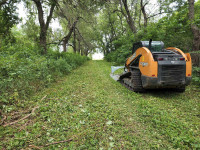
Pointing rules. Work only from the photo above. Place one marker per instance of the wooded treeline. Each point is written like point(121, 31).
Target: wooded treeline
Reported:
point(108, 25)
point(77, 19)
point(176, 23)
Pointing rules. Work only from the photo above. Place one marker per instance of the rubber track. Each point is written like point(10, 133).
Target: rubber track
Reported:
point(127, 86)
point(136, 82)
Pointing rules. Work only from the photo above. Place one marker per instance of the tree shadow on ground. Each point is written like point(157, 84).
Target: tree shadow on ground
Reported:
point(163, 93)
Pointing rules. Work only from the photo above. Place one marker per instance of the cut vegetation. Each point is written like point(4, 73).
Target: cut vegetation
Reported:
point(88, 110)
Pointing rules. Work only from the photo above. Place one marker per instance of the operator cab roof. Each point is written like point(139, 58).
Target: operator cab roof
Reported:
point(156, 46)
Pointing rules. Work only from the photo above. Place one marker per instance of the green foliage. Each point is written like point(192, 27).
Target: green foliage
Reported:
point(31, 29)
point(173, 29)
point(123, 48)
point(196, 75)
point(8, 18)
point(23, 70)
point(197, 13)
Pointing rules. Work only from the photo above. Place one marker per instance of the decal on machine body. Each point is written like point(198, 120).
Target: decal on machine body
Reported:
point(144, 64)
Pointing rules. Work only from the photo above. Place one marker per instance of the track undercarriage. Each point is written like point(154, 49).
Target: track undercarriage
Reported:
point(132, 80)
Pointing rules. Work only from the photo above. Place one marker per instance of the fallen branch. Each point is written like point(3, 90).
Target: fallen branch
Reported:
point(39, 147)
point(17, 113)
point(69, 140)
point(33, 110)
point(35, 147)
point(43, 97)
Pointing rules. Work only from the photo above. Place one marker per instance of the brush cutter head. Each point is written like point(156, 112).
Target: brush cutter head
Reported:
point(113, 69)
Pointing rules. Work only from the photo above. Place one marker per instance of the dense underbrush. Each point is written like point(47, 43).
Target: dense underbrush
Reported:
point(23, 70)
point(123, 49)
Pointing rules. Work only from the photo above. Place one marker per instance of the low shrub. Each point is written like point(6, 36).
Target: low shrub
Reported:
point(118, 57)
point(23, 72)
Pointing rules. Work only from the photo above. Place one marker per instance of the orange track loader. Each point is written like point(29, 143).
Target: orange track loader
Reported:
point(152, 66)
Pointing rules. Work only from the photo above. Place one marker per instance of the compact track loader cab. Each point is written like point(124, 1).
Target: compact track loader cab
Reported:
point(152, 66)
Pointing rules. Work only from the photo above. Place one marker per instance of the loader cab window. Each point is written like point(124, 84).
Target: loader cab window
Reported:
point(156, 46)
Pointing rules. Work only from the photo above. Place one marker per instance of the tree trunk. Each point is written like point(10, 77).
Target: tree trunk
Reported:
point(104, 52)
point(144, 13)
point(196, 38)
point(111, 22)
point(64, 46)
point(68, 36)
point(194, 28)
point(43, 44)
point(43, 39)
point(44, 26)
point(140, 14)
point(86, 52)
point(79, 45)
point(129, 18)
point(66, 39)
point(82, 52)
point(74, 41)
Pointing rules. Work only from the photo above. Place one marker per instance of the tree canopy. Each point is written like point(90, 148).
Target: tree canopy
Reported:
point(109, 26)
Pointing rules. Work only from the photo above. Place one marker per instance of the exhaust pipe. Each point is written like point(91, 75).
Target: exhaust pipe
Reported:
point(150, 41)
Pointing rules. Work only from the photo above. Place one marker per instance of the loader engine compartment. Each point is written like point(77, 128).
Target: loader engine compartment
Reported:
point(163, 56)
point(171, 70)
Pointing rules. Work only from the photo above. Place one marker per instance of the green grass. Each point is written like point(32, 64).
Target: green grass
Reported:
point(93, 111)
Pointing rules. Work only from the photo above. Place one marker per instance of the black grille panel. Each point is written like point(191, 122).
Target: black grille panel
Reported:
point(172, 74)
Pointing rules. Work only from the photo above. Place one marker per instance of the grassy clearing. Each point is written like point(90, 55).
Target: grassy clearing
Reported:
point(89, 110)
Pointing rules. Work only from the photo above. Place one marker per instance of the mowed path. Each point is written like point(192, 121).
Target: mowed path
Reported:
point(89, 110)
